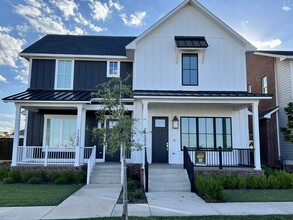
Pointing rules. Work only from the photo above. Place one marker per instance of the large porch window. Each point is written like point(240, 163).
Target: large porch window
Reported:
point(60, 131)
point(206, 132)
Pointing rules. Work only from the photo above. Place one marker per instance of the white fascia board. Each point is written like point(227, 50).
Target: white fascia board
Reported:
point(100, 99)
point(42, 55)
point(269, 115)
point(206, 12)
point(282, 57)
point(36, 103)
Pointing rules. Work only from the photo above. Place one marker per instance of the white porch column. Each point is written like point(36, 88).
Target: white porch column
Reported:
point(145, 128)
point(82, 136)
point(16, 134)
point(256, 144)
point(78, 132)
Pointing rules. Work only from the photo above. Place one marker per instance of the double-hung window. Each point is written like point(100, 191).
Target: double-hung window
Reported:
point(189, 69)
point(64, 74)
point(60, 131)
point(205, 132)
point(113, 69)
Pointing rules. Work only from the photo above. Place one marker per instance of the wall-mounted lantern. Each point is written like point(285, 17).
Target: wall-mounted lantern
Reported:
point(175, 122)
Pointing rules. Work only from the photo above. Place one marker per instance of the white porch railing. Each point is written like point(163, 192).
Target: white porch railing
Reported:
point(51, 155)
point(90, 164)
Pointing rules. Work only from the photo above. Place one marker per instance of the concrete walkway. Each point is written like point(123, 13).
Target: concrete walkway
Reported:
point(96, 200)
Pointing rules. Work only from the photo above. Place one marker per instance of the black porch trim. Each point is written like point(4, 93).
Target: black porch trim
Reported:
point(191, 42)
point(156, 93)
point(51, 95)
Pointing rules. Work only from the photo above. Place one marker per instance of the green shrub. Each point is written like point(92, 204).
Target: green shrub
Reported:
point(4, 171)
point(67, 174)
point(35, 180)
point(80, 177)
point(136, 194)
point(284, 178)
point(7, 180)
point(41, 174)
point(53, 176)
point(229, 181)
point(241, 182)
point(211, 187)
point(274, 182)
point(61, 180)
point(15, 176)
point(26, 176)
point(268, 171)
point(132, 185)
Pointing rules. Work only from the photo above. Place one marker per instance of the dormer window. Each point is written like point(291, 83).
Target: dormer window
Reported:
point(64, 74)
point(113, 69)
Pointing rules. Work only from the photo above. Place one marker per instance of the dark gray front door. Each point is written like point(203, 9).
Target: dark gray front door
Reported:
point(116, 156)
point(160, 140)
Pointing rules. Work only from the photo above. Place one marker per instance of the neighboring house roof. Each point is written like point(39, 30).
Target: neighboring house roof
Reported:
point(283, 55)
point(50, 95)
point(268, 113)
point(205, 12)
point(79, 45)
point(216, 94)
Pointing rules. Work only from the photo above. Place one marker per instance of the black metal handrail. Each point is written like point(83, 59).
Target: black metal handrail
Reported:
point(146, 171)
point(189, 166)
point(222, 157)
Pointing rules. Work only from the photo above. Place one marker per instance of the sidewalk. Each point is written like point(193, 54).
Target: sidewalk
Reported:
point(100, 201)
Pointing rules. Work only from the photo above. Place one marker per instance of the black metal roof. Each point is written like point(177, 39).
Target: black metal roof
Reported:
point(80, 45)
point(198, 93)
point(189, 41)
point(51, 95)
point(276, 52)
point(268, 111)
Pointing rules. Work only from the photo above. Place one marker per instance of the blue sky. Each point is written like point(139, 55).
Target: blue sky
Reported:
point(265, 23)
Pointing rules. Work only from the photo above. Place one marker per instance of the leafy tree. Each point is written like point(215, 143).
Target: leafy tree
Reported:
point(120, 136)
point(288, 131)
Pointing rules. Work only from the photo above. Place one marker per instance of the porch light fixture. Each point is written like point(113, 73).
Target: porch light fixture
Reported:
point(175, 122)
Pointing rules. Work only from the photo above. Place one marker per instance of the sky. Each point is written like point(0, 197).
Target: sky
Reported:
point(267, 24)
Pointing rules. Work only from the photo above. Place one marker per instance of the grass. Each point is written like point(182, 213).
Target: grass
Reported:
point(34, 195)
point(249, 217)
point(253, 195)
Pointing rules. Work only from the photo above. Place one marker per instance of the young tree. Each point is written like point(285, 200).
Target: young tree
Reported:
point(288, 131)
point(120, 135)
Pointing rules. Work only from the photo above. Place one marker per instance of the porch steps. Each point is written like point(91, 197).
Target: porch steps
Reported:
point(106, 173)
point(168, 178)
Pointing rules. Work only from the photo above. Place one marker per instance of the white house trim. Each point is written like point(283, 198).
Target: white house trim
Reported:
point(16, 134)
point(44, 55)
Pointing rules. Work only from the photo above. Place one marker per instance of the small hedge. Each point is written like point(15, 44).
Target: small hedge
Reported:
point(211, 187)
point(8, 176)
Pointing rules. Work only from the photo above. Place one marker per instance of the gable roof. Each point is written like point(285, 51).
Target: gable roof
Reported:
point(196, 4)
point(78, 45)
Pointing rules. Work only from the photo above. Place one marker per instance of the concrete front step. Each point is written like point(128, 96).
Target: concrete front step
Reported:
point(106, 173)
point(168, 178)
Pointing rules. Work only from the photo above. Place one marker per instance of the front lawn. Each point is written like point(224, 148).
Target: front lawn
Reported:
point(254, 195)
point(35, 194)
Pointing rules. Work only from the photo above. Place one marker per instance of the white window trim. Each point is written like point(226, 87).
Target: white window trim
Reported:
point(56, 72)
point(263, 87)
point(108, 69)
point(199, 61)
point(46, 117)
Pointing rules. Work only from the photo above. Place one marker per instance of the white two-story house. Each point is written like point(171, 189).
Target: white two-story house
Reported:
point(189, 85)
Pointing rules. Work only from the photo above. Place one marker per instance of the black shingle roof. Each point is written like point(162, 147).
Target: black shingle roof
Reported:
point(80, 45)
point(276, 52)
point(198, 93)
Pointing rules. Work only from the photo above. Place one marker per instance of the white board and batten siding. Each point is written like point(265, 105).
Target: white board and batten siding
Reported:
point(157, 63)
point(284, 81)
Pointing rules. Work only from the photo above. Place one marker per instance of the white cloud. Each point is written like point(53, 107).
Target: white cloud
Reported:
point(286, 8)
point(81, 20)
point(23, 72)
point(267, 44)
point(244, 24)
point(116, 5)
point(7, 115)
point(6, 126)
point(3, 79)
point(22, 29)
point(67, 7)
point(134, 20)
point(9, 47)
point(99, 11)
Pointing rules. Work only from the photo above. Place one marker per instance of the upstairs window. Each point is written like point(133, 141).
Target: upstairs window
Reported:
point(113, 69)
point(189, 69)
point(264, 85)
point(64, 74)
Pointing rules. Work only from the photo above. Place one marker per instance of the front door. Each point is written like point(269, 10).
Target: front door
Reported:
point(116, 156)
point(160, 140)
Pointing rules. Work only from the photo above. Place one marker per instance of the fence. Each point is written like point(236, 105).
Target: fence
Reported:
point(6, 145)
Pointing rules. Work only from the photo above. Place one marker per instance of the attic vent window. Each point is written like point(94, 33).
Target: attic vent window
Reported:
point(195, 42)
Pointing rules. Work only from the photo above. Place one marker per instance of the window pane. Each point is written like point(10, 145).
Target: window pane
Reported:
point(184, 140)
point(160, 123)
point(185, 62)
point(186, 77)
point(184, 125)
point(113, 68)
point(202, 141)
point(64, 74)
point(219, 125)
point(210, 141)
point(219, 138)
point(193, 77)
point(192, 140)
point(193, 62)
point(201, 125)
point(228, 126)
point(210, 125)
point(229, 141)
point(192, 125)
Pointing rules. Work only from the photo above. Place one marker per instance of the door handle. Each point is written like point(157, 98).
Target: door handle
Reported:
point(167, 146)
